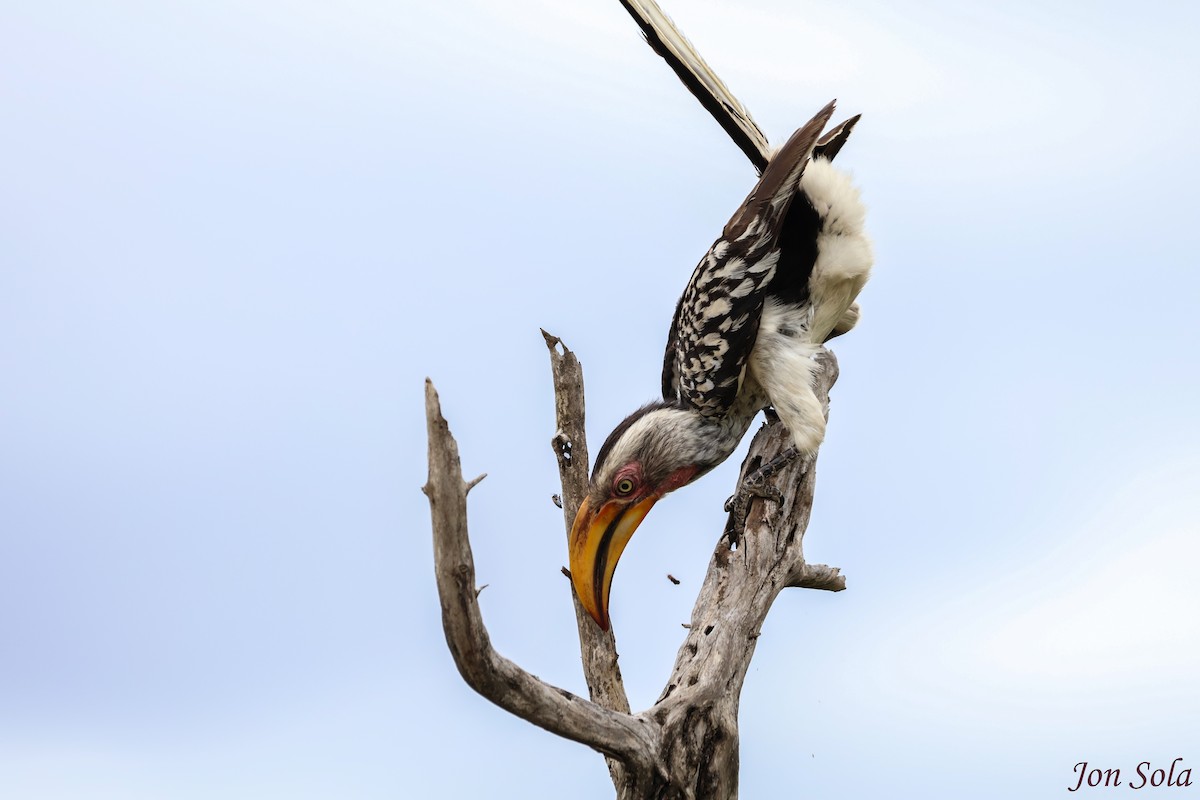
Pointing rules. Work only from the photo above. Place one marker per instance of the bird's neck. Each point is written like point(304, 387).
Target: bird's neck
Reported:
point(714, 439)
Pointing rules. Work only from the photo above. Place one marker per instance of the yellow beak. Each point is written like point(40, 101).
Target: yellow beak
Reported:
point(597, 540)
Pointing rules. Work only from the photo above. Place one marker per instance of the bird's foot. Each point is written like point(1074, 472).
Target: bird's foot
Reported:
point(738, 507)
point(740, 500)
point(755, 485)
point(760, 476)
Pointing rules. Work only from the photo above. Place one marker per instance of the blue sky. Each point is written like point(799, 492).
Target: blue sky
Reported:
point(236, 237)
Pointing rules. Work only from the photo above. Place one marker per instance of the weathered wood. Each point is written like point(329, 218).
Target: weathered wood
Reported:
point(698, 708)
point(686, 744)
point(598, 648)
point(507, 685)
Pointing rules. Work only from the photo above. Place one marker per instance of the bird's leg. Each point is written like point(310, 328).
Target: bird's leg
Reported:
point(738, 506)
point(755, 485)
point(751, 488)
point(756, 481)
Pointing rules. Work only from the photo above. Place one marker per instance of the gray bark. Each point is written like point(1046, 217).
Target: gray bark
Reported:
point(686, 744)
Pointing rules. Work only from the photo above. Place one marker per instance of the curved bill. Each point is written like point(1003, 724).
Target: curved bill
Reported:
point(598, 538)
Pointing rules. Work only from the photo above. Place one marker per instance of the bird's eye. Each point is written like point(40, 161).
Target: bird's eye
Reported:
point(624, 487)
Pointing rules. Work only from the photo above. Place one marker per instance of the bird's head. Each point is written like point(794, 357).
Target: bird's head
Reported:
point(655, 450)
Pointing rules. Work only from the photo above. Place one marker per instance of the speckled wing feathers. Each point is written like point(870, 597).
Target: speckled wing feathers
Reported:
point(716, 320)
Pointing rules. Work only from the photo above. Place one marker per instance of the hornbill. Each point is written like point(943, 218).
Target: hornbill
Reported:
point(781, 280)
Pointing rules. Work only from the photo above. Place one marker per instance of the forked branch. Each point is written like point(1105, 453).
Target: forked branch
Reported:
point(686, 744)
point(504, 683)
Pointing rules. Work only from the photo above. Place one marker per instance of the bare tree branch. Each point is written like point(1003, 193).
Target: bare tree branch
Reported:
point(818, 576)
point(686, 744)
point(698, 707)
point(613, 733)
point(598, 648)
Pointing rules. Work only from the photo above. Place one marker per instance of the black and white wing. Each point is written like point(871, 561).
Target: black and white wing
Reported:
point(715, 324)
point(716, 321)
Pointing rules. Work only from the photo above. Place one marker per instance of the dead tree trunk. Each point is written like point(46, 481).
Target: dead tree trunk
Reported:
point(686, 744)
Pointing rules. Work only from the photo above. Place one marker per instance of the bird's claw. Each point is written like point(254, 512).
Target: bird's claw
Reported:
point(760, 476)
point(755, 485)
point(750, 490)
point(738, 504)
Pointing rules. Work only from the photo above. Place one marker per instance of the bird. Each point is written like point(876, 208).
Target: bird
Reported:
point(782, 279)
